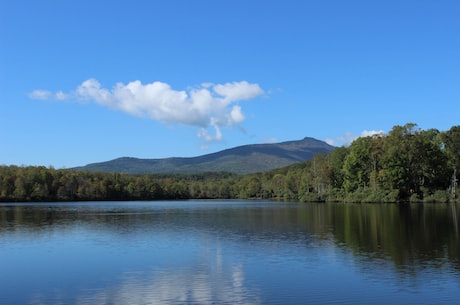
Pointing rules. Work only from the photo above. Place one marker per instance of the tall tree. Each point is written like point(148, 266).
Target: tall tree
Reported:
point(451, 142)
point(357, 165)
point(398, 159)
point(336, 159)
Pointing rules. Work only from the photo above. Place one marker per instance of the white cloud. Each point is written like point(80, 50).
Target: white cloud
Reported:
point(368, 133)
point(236, 114)
point(61, 96)
point(40, 94)
point(237, 91)
point(204, 134)
point(349, 137)
point(209, 106)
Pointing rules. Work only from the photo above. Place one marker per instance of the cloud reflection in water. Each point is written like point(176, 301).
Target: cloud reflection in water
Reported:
point(166, 287)
point(212, 281)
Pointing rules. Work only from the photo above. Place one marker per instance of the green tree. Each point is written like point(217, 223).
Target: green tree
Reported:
point(451, 143)
point(398, 160)
point(432, 163)
point(336, 160)
point(357, 165)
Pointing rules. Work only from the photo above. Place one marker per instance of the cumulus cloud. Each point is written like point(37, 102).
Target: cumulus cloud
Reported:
point(208, 106)
point(349, 137)
point(236, 115)
point(208, 137)
point(238, 91)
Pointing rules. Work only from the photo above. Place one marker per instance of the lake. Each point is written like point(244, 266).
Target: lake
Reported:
point(229, 252)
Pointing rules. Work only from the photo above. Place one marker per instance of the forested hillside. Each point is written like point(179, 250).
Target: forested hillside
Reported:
point(407, 164)
point(242, 160)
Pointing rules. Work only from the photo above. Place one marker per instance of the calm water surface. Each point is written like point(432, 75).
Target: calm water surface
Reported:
point(228, 252)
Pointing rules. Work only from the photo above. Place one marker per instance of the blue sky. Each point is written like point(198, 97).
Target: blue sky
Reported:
point(89, 81)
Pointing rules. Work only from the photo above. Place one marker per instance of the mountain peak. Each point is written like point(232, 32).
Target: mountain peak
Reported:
point(241, 159)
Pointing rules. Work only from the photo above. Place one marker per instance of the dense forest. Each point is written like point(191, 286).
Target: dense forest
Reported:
point(406, 165)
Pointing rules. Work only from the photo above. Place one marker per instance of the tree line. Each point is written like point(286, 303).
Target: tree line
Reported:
point(407, 164)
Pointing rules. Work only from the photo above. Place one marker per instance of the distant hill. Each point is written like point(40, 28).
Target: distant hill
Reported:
point(241, 160)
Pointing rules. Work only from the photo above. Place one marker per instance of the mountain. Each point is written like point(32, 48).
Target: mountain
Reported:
point(241, 160)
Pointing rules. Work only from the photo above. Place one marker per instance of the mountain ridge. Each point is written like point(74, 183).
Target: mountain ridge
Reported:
point(243, 159)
